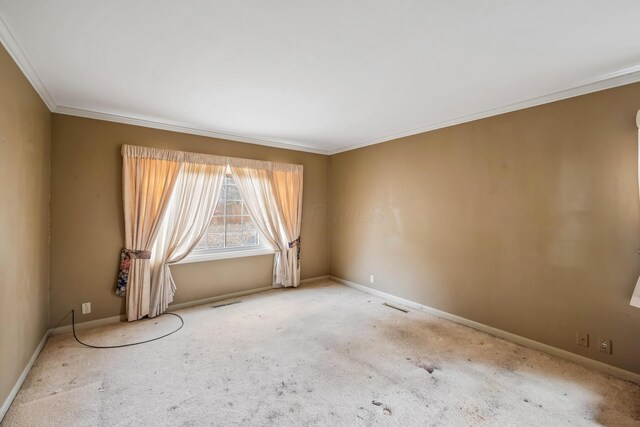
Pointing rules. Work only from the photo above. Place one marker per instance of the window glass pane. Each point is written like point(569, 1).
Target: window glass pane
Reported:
point(234, 208)
point(248, 223)
point(216, 225)
point(234, 223)
point(233, 193)
point(249, 238)
point(223, 192)
point(219, 208)
point(231, 226)
point(215, 240)
point(234, 239)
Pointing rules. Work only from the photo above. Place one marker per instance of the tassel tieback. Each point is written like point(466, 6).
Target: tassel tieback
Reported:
point(296, 243)
point(126, 255)
point(133, 253)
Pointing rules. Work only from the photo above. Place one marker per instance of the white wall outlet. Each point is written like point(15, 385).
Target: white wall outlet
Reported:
point(604, 345)
point(372, 278)
point(86, 308)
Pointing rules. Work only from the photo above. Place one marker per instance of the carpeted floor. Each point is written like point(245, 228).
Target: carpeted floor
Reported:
point(321, 354)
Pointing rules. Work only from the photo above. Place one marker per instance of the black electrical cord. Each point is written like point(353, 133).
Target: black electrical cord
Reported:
point(73, 327)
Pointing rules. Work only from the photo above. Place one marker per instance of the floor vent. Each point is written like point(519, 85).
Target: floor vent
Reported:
point(226, 304)
point(396, 307)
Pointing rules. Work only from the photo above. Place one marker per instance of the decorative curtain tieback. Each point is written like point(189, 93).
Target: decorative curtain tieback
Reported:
point(126, 255)
point(296, 243)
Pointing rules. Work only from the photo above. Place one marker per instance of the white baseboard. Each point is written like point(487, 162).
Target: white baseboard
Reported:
point(209, 300)
point(53, 331)
point(85, 325)
point(115, 319)
point(174, 307)
point(315, 279)
point(14, 391)
point(567, 355)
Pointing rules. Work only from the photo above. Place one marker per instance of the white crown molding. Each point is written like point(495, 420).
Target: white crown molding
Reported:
point(608, 81)
point(618, 78)
point(184, 128)
point(15, 51)
point(17, 54)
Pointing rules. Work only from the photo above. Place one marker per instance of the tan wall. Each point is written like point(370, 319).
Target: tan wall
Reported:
point(25, 140)
point(87, 219)
point(528, 222)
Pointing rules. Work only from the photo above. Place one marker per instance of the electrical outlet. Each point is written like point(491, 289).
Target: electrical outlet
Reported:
point(86, 308)
point(604, 345)
point(582, 339)
point(372, 278)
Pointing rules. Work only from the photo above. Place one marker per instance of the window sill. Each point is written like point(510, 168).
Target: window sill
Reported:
point(225, 255)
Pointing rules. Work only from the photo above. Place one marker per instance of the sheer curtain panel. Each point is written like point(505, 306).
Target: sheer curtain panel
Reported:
point(169, 200)
point(272, 193)
point(147, 185)
point(189, 214)
point(287, 184)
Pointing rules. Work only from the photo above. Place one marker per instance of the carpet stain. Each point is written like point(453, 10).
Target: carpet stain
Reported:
point(258, 362)
point(429, 367)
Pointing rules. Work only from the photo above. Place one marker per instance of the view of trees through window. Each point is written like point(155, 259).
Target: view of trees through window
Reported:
point(231, 226)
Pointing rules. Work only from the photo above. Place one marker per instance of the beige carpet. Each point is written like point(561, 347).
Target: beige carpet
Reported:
point(321, 354)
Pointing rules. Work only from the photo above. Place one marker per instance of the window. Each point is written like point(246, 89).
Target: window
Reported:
point(231, 232)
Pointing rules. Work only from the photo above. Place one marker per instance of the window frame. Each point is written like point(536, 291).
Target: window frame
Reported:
point(229, 252)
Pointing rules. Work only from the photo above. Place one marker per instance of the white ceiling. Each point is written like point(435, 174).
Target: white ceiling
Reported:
point(322, 76)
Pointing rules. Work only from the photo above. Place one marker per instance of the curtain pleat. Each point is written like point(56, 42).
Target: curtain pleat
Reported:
point(147, 188)
point(274, 201)
point(287, 186)
point(189, 214)
point(169, 198)
point(256, 189)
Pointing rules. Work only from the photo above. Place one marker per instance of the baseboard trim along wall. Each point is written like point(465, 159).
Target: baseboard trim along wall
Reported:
point(237, 294)
point(315, 279)
point(173, 307)
point(86, 325)
point(209, 300)
point(581, 360)
point(115, 319)
point(14, 391)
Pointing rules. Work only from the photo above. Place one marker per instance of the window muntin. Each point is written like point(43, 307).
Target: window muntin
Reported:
point(231, 227)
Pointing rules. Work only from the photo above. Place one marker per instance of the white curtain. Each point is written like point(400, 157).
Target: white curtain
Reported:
point(147, 185)
point(169, 199)
point(287, 184)
point(635, 298)
point(189, 214)
point(272, 194)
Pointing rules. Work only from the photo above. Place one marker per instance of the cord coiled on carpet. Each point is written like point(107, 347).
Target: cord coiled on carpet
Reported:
point(73, 327)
